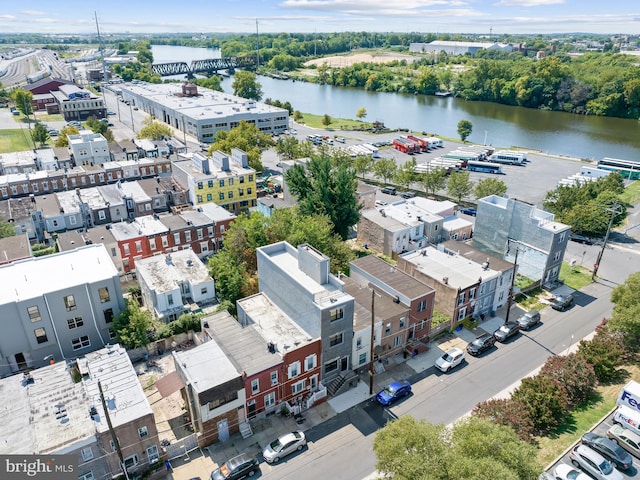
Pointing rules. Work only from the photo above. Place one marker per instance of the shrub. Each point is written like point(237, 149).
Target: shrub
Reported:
point(545, 399)
point(604, 352)
point(574, 373)
point(507, 412)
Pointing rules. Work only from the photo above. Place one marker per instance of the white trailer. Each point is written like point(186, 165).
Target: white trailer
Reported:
point(508, 157)
point(630, 396)
point(375, 152)
point(435, 142)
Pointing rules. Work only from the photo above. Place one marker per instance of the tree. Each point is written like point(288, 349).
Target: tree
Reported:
point(40, 134)
point(474, 448)
point(246, 85)
point(572, 372)
point(63, 138)
point(297, 116)
point(288, 147)
point(326, 120)
point(22, 99)
point(155, 130)
point(328, 190)
point(604, 352)
point(6, 229)
point(133, 327)
point(405, 175)
point(384, 168)
point(464, 129)
point(247, 138)
point(213, 82)
point(434, 180)
point(625, 320)
point(545, 399)
point(490, 186)
point(508, 412)
point(362, 164)
point(361, 113)
point(459, 185)
point(98, 126)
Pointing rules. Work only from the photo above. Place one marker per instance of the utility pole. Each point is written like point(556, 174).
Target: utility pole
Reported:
point(114, 437)
point(615, 209)
point(257, 46)
point(104, 64)
point(513, 282)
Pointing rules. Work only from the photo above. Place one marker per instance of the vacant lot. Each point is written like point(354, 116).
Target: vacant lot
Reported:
point(338, 61)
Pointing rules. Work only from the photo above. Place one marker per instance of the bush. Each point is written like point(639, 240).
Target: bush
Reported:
point(574, 373)
point(545, 399)
point(507, 412)
point(604, 351)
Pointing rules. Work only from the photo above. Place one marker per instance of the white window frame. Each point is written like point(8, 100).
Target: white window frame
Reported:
point(143, 432)
point(298, 387)
point(294, 369)
point(133, 458)
point(274, 378)
point(255, 386)
point(269, 400)
point(87, 454)
point(86, 476)
point(310, 362)
point(153, 454)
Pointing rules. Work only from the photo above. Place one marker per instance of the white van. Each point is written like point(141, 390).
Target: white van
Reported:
point(628, 418)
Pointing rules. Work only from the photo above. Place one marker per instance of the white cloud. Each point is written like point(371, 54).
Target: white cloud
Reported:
point(528, 3)
point(32, 12)
point(380, 7)
point(7, 17)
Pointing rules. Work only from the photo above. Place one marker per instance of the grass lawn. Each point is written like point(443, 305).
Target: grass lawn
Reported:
point(631, 194)
point(575, 277)
point(582, 419)
point(315, 121)
point(44, 117)
point(15, 140)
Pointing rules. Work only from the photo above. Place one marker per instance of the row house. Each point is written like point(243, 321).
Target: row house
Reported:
point(88, 148)
point(411, 293)
point(141, 238)
point(220, 179)
point(73, 239)
point(18, 162)
point(65, 178)
point(61, 319)
point(459, 282)
point(54, 413)
point(20, 213)
point(16, 247)
point(299, 281)
point(174, 283)
point(122, 150)
point(164, 191)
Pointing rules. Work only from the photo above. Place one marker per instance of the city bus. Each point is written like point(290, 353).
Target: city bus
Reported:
point(627, 168)
point(484, 167)
point(509, 157)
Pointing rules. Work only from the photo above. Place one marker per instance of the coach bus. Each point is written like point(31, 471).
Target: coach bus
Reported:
point(627, 168)
point(484, 167)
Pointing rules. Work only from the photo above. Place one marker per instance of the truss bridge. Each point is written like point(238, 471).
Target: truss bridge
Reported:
point(209, 66)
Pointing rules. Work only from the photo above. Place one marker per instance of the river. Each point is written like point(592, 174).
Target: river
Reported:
point(560, 133)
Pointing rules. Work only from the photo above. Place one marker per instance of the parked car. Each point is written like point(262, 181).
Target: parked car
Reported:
point(528, 320)
point(627, 439)
point(53, 132)
point(340, 139)
point(480, 344)
point(109, 112)
point(284, 445)
point(450, 359)
point(74, 123)
point(389, 190)
point(593, 463)
point(240, 466)
point(562, 302)
point(407, 194)
point(574, 237)
point(506, 331)
point(380, 203)
point(393, 392)
point(469, 211)
point(608, 449)
point(567, 472)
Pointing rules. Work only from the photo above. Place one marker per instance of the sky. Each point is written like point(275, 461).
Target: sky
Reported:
point(219, 16)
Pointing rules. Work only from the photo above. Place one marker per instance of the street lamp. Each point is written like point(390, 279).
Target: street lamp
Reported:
point(513, 281)
point(133, 127)
point(615, 209)
point(373, 322)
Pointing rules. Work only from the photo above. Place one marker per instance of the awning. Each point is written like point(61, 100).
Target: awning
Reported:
point(169, 384)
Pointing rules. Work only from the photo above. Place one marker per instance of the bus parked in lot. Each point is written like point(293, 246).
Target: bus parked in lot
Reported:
point(484, 167)
point(508, 157)
point(627, 168)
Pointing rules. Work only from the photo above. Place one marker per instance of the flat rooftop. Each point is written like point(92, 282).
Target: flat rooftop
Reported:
point(32, 277)
point(206, 366)
point(146, 226)
point(163, 273)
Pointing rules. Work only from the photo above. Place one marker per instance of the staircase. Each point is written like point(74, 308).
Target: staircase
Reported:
point(341, 384)
point(245, 430)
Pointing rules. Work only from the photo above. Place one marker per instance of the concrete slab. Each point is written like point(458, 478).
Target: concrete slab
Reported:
point(348, 399)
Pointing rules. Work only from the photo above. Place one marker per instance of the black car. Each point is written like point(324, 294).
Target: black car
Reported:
point(469, 211)
point(562, 302)
point(506, 331)
point(239, 466)
point(528, 320)
point(407, 194)
point(389, 190)
point(608, 449)
point(480, 344)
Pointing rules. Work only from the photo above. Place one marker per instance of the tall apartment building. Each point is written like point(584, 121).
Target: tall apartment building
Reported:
point(299, 282)
point(57, 307)
point(220, 179)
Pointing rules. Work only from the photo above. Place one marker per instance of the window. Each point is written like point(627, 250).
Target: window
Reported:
point(131, 461)
point(255, 386)
point(87, 454)
point(104, 294)
point(298, 387)
point(362, 359)
point(460, 298)
point(231, 182)
point(251, 178)
point(203, 291)
point(200, 186)
point(337, 314)
point(126, 249)
point(331, 366)
point(249, 191)
point(152, 453)
point(165, 242)
point(152, 243)
point(176, 239)
point(274, 378)
point(462, 313)
point(138, 246)
point(562, 237)
point(108, 315)
point(112, 334)
point(76, 322)
point(472, 294)
point(397, 341)
point(102, 215)
point(86, 476)
point(80, 342)
point(187, 236)
point(209, 197)
point(199, 234)
point(294, 369)
point(198, 198)
point(210, 183)
point(422, 306)
point(204, 247)
point(34, 313)
point(556, 257)
point(403, 322)
point(143, 432)
point(358, 343)
point(170, 299)
point(230, 194)
point(210, 231)
point(310, 362)
point(221, 196)
point(70, 303)
point(270, 400)
point(335, 339)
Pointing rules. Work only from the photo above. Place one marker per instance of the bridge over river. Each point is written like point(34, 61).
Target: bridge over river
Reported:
point(203, 66)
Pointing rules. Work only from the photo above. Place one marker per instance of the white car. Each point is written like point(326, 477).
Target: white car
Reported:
point(567, 472)
point(284, 445)
point(450, 359)
point(593, 463)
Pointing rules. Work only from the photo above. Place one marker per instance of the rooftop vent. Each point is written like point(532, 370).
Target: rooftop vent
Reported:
point(271, 347)
point(445, 280)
